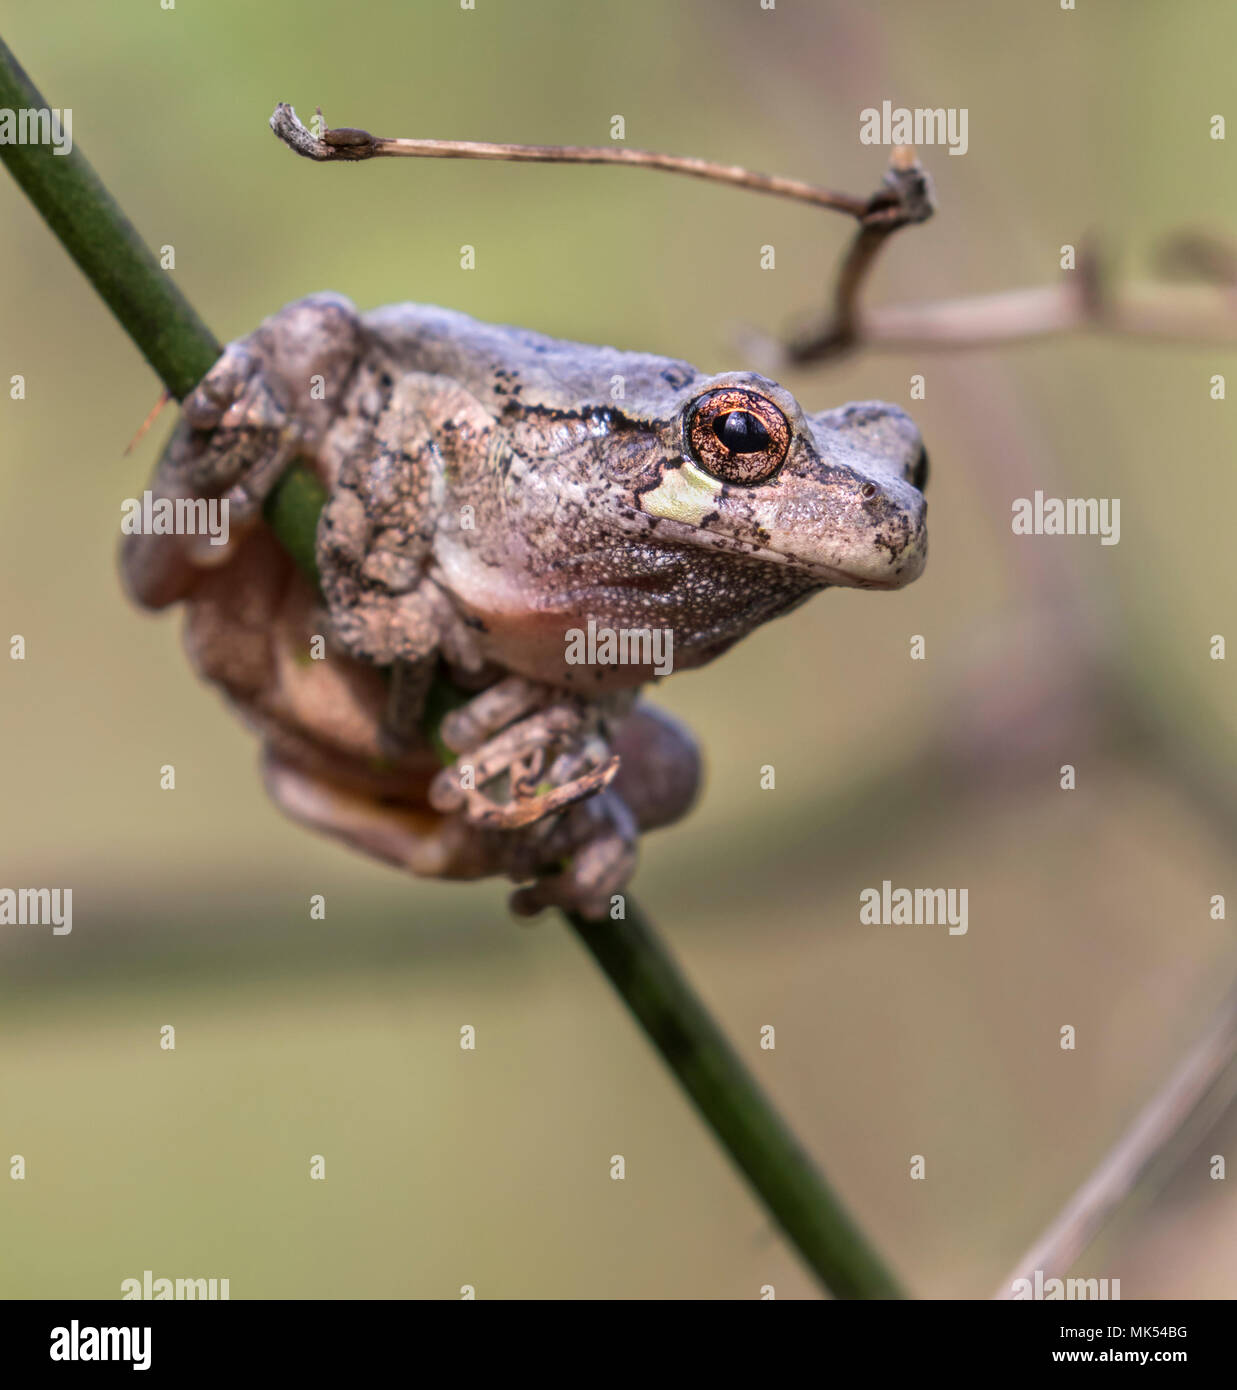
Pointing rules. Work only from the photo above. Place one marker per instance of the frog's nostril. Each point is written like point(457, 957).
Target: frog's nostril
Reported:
point(919, 472)
point(868, 491)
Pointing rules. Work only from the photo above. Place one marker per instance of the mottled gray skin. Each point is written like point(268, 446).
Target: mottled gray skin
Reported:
point(570, 516)
point(491, 489)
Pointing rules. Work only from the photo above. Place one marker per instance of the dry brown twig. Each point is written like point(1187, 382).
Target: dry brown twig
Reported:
point(1195, 1096)
point(349, 145)
point(1082, 301)
point(904, 198)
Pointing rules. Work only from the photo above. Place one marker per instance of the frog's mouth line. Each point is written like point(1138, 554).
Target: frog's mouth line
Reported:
point(821, 574)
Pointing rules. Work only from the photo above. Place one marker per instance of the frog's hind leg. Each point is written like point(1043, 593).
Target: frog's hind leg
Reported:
point(587, 858)
point(407, 690)
point(399, 834)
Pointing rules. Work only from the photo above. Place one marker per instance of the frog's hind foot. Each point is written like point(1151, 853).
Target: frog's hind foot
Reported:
point(528, 810)
point(514, 759)
point(595, 847)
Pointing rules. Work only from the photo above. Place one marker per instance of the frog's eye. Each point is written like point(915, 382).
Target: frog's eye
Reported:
point(737, 436)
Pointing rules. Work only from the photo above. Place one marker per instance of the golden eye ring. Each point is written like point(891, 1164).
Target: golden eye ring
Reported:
point(737, 435)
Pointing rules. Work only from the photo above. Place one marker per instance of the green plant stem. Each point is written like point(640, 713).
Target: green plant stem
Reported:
point(104, 243)
point(178, 345)
point(733, 1105)
point(161, 322)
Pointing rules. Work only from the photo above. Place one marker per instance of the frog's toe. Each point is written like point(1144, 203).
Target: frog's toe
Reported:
point(447, 794)
point(205, 406)
point(242, 449)
point(504, 755)
point(599, 858)
point(493, 709)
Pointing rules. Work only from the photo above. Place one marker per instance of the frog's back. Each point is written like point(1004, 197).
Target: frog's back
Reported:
point(502, 364)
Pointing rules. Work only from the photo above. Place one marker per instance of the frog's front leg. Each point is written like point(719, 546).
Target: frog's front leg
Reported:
point(374, 540)
point(270, 397)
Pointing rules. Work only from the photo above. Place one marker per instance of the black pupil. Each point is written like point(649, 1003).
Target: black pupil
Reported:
point(741, 432)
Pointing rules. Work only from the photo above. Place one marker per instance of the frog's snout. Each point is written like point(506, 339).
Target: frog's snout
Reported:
point(871, 467)
point(897, 544)
point(875, 438)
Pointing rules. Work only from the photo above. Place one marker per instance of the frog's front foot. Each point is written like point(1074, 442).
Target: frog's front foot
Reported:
point(240, 436)
point(268, 399)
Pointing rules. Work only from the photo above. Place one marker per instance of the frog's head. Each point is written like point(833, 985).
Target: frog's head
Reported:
point(836, 496)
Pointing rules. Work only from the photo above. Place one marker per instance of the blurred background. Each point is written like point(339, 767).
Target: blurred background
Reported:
point(340, 1037)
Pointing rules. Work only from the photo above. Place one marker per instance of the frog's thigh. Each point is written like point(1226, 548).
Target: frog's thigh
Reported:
point(421, 842)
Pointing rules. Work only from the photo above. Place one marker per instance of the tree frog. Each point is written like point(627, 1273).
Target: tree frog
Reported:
point(543, 525)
